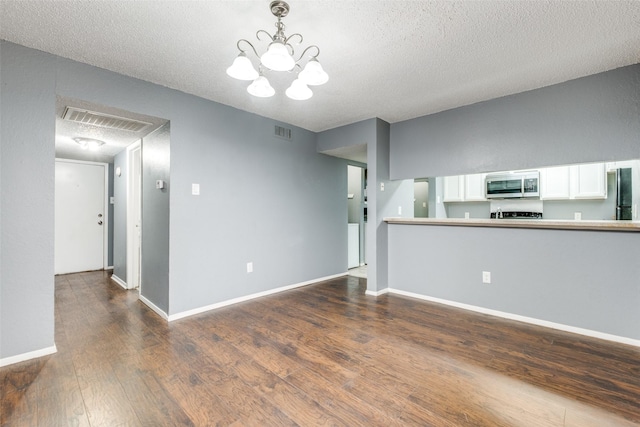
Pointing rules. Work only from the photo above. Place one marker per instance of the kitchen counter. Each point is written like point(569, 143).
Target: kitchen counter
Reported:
point(553, 224)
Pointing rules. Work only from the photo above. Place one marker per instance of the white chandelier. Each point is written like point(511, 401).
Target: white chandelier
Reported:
point(278, 57)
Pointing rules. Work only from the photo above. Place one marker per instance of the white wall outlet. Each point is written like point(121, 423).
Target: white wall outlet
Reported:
point(195, 189)
point(577, 216)
point(466, 215)
point(486, 277)
point(399, 210)
point(424, 204)
point(249, 267)
point(382, 186)
point(159, 184)
point(112, 200)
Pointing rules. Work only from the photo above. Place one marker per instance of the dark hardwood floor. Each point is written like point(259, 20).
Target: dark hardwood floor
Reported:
point(325, 354)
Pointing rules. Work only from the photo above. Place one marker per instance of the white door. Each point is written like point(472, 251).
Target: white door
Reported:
point(80, 219)
point(134, 217)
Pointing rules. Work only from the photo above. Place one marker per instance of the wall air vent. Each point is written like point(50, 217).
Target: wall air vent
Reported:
point(283, 133)
point(103, 120)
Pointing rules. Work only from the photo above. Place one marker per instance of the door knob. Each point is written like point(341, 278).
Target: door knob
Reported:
point(99, 222)
point(99, 215)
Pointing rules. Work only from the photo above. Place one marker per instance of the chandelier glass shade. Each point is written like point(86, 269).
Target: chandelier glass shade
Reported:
point(261, 88)
point(299, 90)
point(242, 69)
point(279, 56)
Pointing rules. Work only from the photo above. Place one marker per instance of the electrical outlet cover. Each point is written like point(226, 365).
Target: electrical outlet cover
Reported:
point(486, 277)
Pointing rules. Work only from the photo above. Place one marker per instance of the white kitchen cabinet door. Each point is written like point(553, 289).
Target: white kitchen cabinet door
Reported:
point(589, 181)
point(554, 183)
point(454, 188)
point(474, 187)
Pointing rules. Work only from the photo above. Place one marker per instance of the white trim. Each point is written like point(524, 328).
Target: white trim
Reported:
point(28, 356)
point(525, 319)
point(105, 207)
point(250, 297)
point(153, 307)
point(376, 293)
point(119, 281)
point(109, 267)
point(130, 212)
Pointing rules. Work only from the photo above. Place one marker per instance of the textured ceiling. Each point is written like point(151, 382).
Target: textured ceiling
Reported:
point(394, 60)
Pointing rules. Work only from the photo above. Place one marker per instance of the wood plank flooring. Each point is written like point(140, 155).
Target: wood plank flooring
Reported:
point(325, 354)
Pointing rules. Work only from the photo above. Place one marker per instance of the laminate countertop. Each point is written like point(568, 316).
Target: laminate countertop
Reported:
point(522, 223)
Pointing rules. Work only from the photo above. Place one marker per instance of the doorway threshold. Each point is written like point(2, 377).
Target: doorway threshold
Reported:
point(359, 271)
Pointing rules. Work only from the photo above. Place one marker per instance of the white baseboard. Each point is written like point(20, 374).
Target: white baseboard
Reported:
point(376, 293)
point(119, 281)
point(109, 267)
point(525, 319)
point(28, 356)
point(153, 307)
point(249, 297)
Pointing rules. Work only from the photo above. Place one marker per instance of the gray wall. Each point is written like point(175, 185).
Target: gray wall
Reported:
point(366, 132)
point(274, 202)
point(154, 273)
point(27, 168)
point(591, 119)
point(120, 217)
point(579, 278)
point(475, 209)
point(277, 203)
point(585, 279)
point(375, 133)
point(396, 194)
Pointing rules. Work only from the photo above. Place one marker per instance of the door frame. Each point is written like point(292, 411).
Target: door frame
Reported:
point(132, 256)
point(105, 206)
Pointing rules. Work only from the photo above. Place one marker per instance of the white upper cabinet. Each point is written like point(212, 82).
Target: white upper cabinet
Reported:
point(474, 187)
point(588, 181)
point(554, 183)
point(453, 188)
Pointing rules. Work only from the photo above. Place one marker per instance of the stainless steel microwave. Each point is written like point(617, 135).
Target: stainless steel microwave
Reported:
point(513, 185)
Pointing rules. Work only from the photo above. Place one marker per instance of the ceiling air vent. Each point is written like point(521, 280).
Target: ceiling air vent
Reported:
point(283, 133)
point(103, 120)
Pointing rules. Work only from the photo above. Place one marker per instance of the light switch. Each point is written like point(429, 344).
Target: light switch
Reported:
point(195, 189)
point(382, 186)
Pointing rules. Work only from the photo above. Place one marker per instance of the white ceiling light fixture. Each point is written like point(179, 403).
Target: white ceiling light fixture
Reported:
point(89, 143)
point(279, 56)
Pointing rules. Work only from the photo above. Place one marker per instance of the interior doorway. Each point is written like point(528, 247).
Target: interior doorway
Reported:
point(356, 221)
point(421, 198)
point(134, 215)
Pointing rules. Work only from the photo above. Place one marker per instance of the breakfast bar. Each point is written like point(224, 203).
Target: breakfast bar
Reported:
point(581, 276)
point(602, 225)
